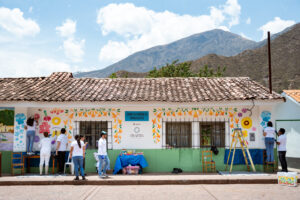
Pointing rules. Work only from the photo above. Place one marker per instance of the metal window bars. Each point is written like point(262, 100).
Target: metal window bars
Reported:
point(91, 130)
point(195, 133)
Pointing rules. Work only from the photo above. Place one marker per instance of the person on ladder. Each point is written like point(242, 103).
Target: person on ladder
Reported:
point(269, 134)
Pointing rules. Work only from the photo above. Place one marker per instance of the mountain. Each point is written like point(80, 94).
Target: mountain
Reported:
point(190, 48)
point(285, 59)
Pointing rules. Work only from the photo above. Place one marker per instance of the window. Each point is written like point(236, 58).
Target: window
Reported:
point(92, 130)
point(179, 134)
point(212, 134)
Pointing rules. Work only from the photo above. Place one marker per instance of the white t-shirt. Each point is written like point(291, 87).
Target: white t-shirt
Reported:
point(32, 128)
point(45, 146)
point(270, 132)
point(77, 151)
point(282, 145)
point(63, 139)
point(102, 147)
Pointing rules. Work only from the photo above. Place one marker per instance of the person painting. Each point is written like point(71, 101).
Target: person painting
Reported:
point(45, 153)
point(61, 148)
point(30, 128)
point(77, 153)
point(269, 133)
point(102, 155)
point(281, 142)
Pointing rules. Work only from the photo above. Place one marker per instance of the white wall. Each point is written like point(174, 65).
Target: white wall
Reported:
point(289, 112)
point(150, 134)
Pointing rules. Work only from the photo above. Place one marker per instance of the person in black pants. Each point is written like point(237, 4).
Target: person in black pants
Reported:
point(281, 142)
point(61, 148)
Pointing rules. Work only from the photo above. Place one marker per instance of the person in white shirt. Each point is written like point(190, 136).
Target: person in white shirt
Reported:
point(102, 155)
point(269, 133)
point(61, 148)
point(45, 153)
point(30, 128)
point(77, 152)
point(281, 142)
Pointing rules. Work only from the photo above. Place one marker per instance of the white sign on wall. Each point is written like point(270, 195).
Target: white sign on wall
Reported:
point(138, 135)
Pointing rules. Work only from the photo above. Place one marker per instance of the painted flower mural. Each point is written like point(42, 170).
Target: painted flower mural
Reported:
point(56, 121)
point(246, 122)
point(44, 127)
point(265, 116)
point(20, 118)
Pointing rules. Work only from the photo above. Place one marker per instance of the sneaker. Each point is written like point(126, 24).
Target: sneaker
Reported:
point(84, 179)
point(105, 175)
point(76, 179)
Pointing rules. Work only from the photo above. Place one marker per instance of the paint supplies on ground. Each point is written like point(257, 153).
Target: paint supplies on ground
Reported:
point(287, 178)
point(132, 169)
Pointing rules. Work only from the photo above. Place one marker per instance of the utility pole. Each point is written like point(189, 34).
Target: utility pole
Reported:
point(269, 60)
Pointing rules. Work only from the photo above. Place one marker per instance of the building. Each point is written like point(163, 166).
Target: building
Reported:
point(288, 117)
point(170, 119)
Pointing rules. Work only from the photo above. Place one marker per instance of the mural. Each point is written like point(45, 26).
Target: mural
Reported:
point(20, 134)
point(265, 116)
point(6, 129)
point(238, 118)
point(54, 119)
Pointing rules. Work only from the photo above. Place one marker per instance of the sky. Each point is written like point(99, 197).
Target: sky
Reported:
point(38, 37)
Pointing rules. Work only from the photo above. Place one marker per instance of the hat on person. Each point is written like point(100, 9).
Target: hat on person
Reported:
point(103, 133)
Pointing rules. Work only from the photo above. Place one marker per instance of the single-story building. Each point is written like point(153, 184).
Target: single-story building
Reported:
point(288, 117)
point(171, 120)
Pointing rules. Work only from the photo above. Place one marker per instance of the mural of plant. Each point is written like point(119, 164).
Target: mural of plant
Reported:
point(94, 113)
point(232, 113)
point(45, 127)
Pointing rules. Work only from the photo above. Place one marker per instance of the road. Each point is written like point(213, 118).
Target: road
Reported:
point(174, 192)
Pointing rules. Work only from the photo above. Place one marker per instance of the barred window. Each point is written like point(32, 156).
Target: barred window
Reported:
point(179, 134)
point(92, 130)
point(212, 134)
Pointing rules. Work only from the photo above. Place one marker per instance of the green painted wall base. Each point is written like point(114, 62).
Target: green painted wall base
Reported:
point(159, 160)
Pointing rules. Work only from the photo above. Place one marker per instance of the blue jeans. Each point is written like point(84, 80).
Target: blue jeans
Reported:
point(269, 142)
point(78, 163)
point(103, 164)
point(29, 140)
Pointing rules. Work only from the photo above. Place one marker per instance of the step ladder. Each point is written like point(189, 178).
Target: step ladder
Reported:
point(238, 136)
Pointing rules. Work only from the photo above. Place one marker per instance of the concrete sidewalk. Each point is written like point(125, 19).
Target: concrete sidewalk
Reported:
point(145, 179)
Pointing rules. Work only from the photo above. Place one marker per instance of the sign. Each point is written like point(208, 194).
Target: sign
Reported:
point(136, 116)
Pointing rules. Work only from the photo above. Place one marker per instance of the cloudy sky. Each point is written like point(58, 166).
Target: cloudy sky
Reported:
point(39, 37)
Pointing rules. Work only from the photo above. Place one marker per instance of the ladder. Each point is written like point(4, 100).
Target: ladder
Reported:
point(238, 136)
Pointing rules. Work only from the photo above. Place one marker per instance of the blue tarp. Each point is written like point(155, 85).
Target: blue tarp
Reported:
point(133, 160)
point(256, 154)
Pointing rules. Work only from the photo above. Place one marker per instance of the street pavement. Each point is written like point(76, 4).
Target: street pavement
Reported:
point(147, 192)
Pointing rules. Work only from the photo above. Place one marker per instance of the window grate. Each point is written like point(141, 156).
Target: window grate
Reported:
point(91, 130)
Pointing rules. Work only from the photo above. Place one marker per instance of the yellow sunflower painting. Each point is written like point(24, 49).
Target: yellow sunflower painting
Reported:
point(246, 122)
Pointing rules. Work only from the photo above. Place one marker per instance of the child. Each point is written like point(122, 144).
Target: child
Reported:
point(281, 142)
point(45, 153)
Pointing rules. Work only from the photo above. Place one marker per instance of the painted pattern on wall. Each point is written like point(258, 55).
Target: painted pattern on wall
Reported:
point(265, 116)
point(54, 119)
point(20, 134)
point(238, 118)
point(6, 128)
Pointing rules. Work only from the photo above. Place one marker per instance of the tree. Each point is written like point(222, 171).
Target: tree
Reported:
point(113, 75)
point(172, 70)
point(176, 69)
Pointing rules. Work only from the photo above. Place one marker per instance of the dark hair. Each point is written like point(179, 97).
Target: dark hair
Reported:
point(46, 134)
point(282, 130)
point(76, 137)
point(78, 140)
point(81, 136)
point(63, 131)
point(30, 121)
point(270, 124)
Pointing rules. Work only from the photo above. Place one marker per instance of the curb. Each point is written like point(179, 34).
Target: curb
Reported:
point(142, 182)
